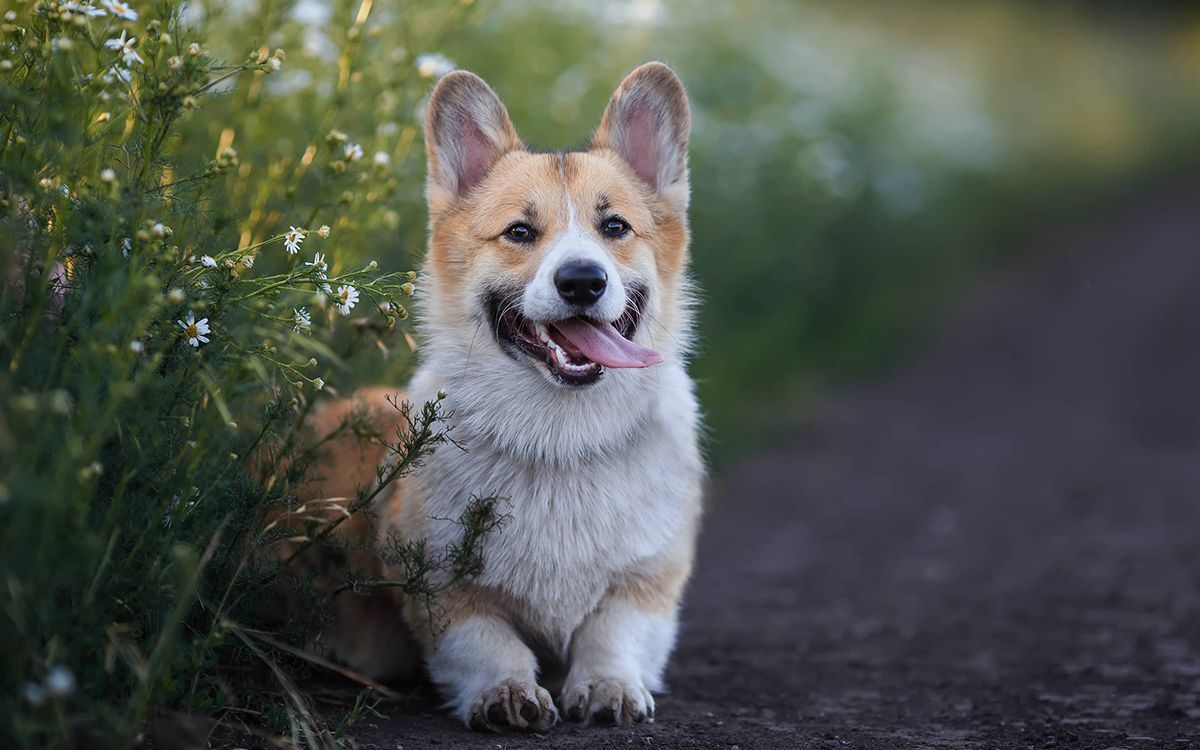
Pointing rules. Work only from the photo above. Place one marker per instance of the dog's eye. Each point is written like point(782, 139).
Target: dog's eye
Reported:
point(520, 232)
point(614, 227)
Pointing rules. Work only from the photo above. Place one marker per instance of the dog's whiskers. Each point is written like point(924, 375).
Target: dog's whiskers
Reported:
point(640, 296)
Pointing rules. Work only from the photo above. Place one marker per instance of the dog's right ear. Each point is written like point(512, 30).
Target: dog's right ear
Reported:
point(466, 131)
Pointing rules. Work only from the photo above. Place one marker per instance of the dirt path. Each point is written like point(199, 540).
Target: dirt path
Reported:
point(997, 547)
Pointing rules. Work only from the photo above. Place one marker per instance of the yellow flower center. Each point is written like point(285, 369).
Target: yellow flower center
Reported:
point(191, 331)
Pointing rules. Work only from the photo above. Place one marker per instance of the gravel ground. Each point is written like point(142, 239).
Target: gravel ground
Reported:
point(995, 547)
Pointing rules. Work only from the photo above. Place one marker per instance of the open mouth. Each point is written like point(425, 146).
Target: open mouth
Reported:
point(575, 350)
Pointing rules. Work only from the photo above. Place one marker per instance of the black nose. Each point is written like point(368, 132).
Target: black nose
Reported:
point(580, 283)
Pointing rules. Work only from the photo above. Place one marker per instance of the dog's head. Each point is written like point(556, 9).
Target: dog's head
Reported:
point(559, 266)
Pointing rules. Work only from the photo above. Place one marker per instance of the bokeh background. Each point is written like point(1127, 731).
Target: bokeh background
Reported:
point(854, 163)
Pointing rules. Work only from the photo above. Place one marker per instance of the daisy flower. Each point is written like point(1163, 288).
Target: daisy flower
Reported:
point(248, 261)
point(208, 261)
point(34, 693)
point(292, 240)
point(120, 9)
point(60, 682)
point(302, 320)
point(323, 232)
point(434, 65)
point(318, 262)
point(319, 384)
point(346, 299)
point(117, 71)
point(124, 47)
point(195, 331)
point(353, 151)
point(381, 159)
point(83, 8)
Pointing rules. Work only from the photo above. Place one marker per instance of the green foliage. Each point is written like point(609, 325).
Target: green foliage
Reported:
point(177, 286)
point(427, 572)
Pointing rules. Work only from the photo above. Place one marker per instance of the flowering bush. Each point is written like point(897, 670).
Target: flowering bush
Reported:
point(174, 292)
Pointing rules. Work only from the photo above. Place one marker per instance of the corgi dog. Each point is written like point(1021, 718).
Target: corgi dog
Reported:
point(555, 313)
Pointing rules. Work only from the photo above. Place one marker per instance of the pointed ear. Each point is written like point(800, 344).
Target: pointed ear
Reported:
point(466, 131)
point(647, 122)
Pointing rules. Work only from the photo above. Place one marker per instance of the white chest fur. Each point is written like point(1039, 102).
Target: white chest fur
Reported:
point(575, 518)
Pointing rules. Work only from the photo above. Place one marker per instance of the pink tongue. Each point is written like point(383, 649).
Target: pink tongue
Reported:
point(601, 343)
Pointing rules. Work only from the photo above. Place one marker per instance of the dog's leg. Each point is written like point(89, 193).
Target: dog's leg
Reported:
point(618, 654)
point(485, 670)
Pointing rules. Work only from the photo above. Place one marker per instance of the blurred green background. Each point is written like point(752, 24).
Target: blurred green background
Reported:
point(854, 163)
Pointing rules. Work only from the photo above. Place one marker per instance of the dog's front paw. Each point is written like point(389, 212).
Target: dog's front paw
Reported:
point(513, 704)
point(608, 701)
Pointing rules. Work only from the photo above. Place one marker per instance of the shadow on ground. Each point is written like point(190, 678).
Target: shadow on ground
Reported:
point(995, 548)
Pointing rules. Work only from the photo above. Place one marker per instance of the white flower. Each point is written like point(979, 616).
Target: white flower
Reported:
point(208, 261)
point(160, 230)
point(323, 232)
point(60, 682)
point(120, 9)
point(109, 175)
point(136, 346)
point(124, 47)
point(346, 299)
point(325, 288)
point(353, 151)
point(195, 331)
point(302, 320)
point(434, 65)
point(319, 384)
point(195, 50)
point(86, 9)
point(292, 240)
point(275, 64)
point(381, 159)
point(34, 694)
point(248, 261)
point(126, 246)
point(318, 262)
point(117, 71)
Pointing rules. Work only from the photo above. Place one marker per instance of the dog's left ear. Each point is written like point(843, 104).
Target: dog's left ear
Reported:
point(647, 122)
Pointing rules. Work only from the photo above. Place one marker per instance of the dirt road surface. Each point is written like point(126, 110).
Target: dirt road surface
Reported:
point(996, 546)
